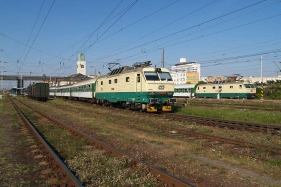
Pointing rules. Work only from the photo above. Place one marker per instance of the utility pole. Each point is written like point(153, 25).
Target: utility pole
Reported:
point(261, 80)
point(162, 57)
point(261, 69)
point(2, 71)
point(2, 86)
point(30, 78)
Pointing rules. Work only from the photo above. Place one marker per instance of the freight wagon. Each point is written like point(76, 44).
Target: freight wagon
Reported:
point(38, 91)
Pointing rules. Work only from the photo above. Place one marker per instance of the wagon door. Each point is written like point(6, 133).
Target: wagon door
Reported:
point(138, 83)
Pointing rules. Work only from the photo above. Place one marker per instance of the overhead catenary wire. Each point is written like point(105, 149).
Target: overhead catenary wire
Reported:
point(174, 33)
point(32, 29)
point(38, 32)
point(132, 56)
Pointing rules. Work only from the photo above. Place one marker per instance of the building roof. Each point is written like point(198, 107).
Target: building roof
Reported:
point(183, 63)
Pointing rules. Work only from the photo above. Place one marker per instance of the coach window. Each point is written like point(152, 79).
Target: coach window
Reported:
point(138, 77)
point(240, 86)
point(204, 87)
point(214, 87)
point(231, 86)
point(109, 82)
point(115, 80)
point(101, 82)
point(219, 87)
point(127, 79)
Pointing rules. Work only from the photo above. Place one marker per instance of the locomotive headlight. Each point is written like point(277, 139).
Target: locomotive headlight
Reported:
point(161, 87)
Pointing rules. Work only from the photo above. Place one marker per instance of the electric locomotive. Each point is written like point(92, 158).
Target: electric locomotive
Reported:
point(138, 87)
point(233, 90)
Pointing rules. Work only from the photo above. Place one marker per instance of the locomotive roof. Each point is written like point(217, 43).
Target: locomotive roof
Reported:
point(225, 83)
point(137, 65)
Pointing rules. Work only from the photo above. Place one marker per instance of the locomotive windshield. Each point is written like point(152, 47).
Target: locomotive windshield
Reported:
point(154, 76)
point(165, 76)
point(249, 85)
point(151, 76)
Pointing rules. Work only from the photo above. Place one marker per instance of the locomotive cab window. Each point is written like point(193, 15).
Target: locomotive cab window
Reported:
point(165, 76)
point(151, 76)
point(249, 86)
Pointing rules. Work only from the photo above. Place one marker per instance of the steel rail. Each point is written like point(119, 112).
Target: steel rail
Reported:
point(221, 139)
point(230, 124)
point(233, 106)
point(164, 177)
point(67, 177)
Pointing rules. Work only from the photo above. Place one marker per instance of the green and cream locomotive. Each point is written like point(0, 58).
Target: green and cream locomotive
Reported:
point(234, 90)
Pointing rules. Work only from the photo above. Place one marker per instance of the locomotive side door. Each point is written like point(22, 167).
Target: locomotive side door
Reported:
point(138, 83)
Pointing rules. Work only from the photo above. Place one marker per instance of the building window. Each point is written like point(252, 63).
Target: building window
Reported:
point(109, 81)
point(115, 80)
point(82, 66)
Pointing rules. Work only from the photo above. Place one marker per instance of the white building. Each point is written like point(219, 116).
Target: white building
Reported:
point(81, 64)
point(186, 72)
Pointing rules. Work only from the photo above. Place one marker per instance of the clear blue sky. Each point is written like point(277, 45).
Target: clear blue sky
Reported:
point(225, 36)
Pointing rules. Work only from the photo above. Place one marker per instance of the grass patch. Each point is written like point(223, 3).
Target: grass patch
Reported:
point(66, 145)
point(26, 144)
point(96, 168)
point(275, 162)
point(259, 116)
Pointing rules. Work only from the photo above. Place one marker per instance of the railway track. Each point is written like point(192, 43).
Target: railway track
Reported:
point(230, 124)
point(55, 171)
point(236, 145)
point(164, 177)
point(242, 107)
point(221, 140)
point(222, 123)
